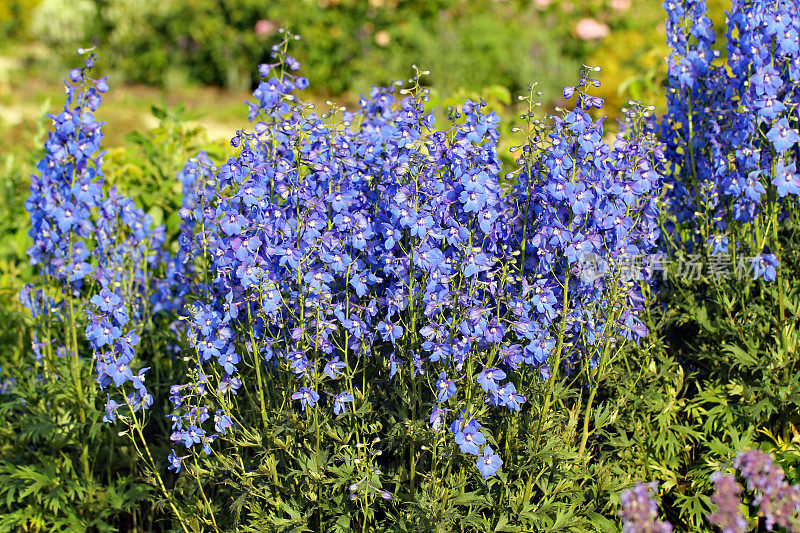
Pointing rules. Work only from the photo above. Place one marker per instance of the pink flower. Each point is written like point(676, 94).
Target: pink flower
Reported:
point(265, 27)
point(620, 5)
point(589, 29)
point(382, 38)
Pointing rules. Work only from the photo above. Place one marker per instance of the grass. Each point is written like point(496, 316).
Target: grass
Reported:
point(127, 108)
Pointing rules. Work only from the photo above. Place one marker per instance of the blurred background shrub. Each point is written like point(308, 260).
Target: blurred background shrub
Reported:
point(349, 45)
point(470, 47)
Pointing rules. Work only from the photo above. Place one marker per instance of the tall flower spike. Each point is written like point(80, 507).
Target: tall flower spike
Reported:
point(727, 500)
point(639, 511)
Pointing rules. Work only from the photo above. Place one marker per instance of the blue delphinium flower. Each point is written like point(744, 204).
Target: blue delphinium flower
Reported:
point(111, 411)
point(437, 418)
point(489, 379)
point(470, 439)
point(765, 266)
point(508, 397)
point(446, 388)
point(719, 244)
point(783, 136)
point(174, 462)
point(192, 435)
point(334, 367)
point(222, 422)
point(307, 397)
point(390, 331)
point(71, 214)
point(340, 402)
point(488, 462)
point(786, 179)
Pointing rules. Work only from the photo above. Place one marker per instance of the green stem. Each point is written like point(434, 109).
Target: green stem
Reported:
point(555, 361)
point(316, 425)
point(257, 363)
point(78, 382)
point(203, 493)
point(779, 277)
point(152, 465)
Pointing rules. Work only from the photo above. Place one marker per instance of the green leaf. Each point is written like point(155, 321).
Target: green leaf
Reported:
point(701, 316)
point(741, 356)
point(469, 498)
point(603, 524)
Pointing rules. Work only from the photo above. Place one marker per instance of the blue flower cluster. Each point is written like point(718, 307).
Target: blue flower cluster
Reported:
point(65, 192)
point(94, 250)
point(732, 130)
point(345, 239)
point(581, 199)
point(114, 351)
